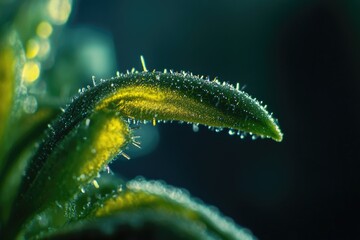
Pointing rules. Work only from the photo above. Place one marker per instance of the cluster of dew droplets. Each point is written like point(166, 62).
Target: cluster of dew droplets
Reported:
point(84, 90)
point(231, 132)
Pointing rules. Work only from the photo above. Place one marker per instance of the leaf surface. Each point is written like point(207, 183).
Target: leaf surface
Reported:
point(143, 208)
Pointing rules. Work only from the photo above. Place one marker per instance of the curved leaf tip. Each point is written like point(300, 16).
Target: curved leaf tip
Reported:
point(185, 97)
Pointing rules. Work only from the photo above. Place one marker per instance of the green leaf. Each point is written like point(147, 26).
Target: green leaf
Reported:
point(148, 224)
point(75, 162)
point(28, 132)
point(161, 96)
point(157, 96)
point(55, 217)
point(141, 195)
point(184, 97)
point(137, 208)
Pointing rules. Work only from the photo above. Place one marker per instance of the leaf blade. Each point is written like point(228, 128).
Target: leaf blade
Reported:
point(180, 96)
point(140, 204)
point(75, 162)
point(163, 96)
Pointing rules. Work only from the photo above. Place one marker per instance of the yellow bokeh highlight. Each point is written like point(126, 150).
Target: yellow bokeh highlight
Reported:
point(32, 48)
point(59, 11)
point(31, 71)
point(44, 29)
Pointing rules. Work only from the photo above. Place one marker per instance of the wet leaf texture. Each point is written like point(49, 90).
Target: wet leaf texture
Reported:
point(138, 96)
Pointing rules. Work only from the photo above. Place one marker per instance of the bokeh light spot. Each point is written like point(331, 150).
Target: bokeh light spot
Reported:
point(32, 48)
point(44, 29)
point(44, 48)
point(30, 104)
point(59, 11)
point(31, 71)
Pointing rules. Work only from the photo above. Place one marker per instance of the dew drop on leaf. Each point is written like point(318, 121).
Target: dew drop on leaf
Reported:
point(218, 130)
point(195, 127)
point(87, 122)
point(232, 132)
point(95, 183)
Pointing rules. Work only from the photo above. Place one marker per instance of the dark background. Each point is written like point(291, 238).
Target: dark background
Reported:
point(301, 57)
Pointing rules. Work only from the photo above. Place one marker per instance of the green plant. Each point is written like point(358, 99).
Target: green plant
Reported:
point(51, 160)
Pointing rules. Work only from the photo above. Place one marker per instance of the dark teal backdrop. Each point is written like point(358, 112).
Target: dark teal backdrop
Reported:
point(301, 57)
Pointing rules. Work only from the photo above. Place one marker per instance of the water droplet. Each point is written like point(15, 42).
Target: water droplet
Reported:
point(95, 183)
point(195, 127)
point(232, 132)
point(87, 122)
point(107, 169)
point(81, 177)
point(218, 130)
